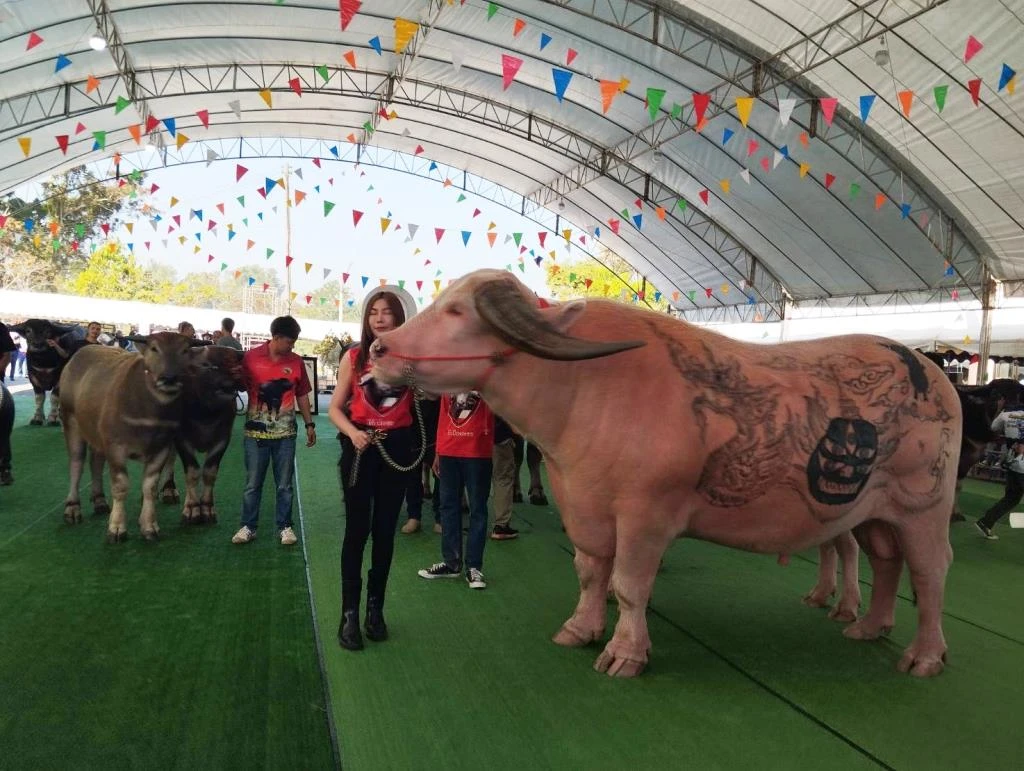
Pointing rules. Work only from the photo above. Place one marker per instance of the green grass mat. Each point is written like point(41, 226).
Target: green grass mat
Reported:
point(190, 653)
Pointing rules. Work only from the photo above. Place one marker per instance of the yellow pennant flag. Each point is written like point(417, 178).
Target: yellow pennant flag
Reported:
point(265, 93)
point(551, 254)
point(309, 266)
point(725, 186)
point(404, 31)
point(623, 85)
point(437, 285)
point(294, 295)
point(174, 201)
point(567, 234)
point(195, 249)
point(492, 226)
point(744, 104)
point(725, 289)
point(181, 139)
point(804, 168)
point(37, 239)
point(129, 226)
point(181, 240)
point(384, 223)
point(26, 145)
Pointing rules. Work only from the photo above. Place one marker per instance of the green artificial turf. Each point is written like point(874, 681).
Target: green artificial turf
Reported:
point(189, 653)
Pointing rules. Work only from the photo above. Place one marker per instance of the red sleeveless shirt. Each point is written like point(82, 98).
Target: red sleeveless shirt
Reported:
point(465, 428)
point(375, 405)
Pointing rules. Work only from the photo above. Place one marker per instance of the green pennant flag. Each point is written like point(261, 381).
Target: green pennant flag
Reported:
point(323, 300)
point(241, 201)
point(327, 207)
point(223, 266)
point(677, 111)
point(101, 139)
point(572, 276)
point(269, 252)
point(461, 198)
point(625, 214)
point(681, 203)
point(133, 193)
point(401, 283)
point(322, 70)
point(940, 96)
point(56, 245)
point(122, 102)
point(516, 237)
point(854, 190)
point(136, 176)
point(245, 221)
point(692, 294)
point(368, 127)
point(80, 230)
point(492, 8)
point(654, 97)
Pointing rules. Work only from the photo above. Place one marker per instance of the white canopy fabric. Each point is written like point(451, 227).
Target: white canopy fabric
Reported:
point(588, 108)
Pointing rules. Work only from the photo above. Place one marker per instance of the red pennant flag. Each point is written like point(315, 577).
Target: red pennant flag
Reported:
point(419, 285)
point(33, 41)
point(612, 223)
point(221, 207)
point(707, 292)
point(829, 179)
point(828, 108)
point(766, 163)
point(316, 162)
point(541, 236)
point(587, 282)
point(344, 278)
point(309, 299)
point(62, 142)
point(288, 260)
point(209, 258)
point(348, 9)
point(700, 105)
point(204, 116)
point(266, 286)
point(210, 225)
point(419, 149)
point(973, 46)
point(704, 196)
point(509, 67)
point(240, 171)
point(151, 123)
point(296, 86)
point(476, 212)
point(262, 192)
point(570, 55)
point(80, 127)
point(105, 228)
point(438, 232)
point(356, 216)
point(975, 88)
point(153, 188)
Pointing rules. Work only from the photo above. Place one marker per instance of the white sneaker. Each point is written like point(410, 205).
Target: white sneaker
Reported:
point(288, 537)
point(244, 535)
point(475, 579)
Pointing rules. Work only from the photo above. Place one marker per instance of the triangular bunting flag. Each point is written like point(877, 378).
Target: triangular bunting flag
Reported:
point(972, 47)
point(62, 62)
point(544, 40)
point(1005, 77)
point(509, 67)
point(879, 200)
point(204, 117)
point(404, 32)
point(786, 110)
point(266, 97)
point(33, 41)
point(727, 134)
point(866, 102)
point(561, 78)
point(356, 216)
point(906, 98)
point(744, 104)
point(375, 45)
point(654, 97)
point(940, 97)
point(609, 90)
point(438, 233)
point(828, 108)
point(974, 86)
point(700, 106)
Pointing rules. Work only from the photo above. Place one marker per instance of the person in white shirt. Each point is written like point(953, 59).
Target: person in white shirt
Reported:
point(1009, 423)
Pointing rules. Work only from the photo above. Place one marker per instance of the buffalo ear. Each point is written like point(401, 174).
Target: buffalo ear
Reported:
point(564, 315)
point(140, 340)
point(20, 329)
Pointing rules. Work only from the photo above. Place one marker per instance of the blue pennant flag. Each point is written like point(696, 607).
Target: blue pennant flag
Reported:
point(231, 234)
point(62, 62)
point(465, 237)
point(251, 280)
point(865, 106)
point(375, 45)
point(1005, 76)
point(750, 299)
point(334, 151)
point(537, 260)
point(317, 188)
point(433, 166)
point(638, 219)
point(199, 236)
point(29, 224)
point(269, 185)
point(131, 246)
point(561, 78)
point(949, 271)
point(365, 279)
point(197, 213)
point(784, 150)
point(544, 40)
point(727, 135)
point(905, 208)
point(169, 122)
point(260, 215)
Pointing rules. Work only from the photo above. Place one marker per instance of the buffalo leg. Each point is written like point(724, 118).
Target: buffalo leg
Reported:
point(100, 507)
point(76, 460)
point(169, 490)
point(150, 479)
point(929, 555)
point(879, 541)
point(37, 416)
point(53, 419)
point(637, 556)
point(821, 594)
point(587, 623)
point(211, 468)
point(191, 512)
point(116, 529)
point(849, 598)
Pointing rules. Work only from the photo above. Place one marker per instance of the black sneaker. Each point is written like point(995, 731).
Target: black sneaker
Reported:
point(504, 533)
point(986, 531)
point(475, 579)
point(440, 570)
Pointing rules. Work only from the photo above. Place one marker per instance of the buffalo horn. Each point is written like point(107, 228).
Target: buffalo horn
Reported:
point(518, 323)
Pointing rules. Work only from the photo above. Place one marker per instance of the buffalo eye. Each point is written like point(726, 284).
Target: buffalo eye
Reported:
point(453, 310)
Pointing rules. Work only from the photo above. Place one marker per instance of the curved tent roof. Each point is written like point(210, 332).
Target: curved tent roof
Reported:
point(844, 150)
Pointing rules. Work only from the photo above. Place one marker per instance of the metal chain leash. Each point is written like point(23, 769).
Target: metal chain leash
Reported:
point(377, 437)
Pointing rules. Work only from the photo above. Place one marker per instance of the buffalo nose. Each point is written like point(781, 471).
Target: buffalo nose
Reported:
point(378, 349)
point(167, 379)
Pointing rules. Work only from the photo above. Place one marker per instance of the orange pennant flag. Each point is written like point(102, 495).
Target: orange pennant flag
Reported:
point(299, 196)
point(249, 244)
point(725, 185)
point(491, 237)
point(26, 145)
point(609, 90)
point(91, 84)
point(136, 131)
point(350, 57)
point(660, 211)
point(879, 200)
point(518, 27)
point(906, 99)
point(265, 94)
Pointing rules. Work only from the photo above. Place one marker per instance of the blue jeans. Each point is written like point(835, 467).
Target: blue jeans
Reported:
point(475, 474)
point(259, 453)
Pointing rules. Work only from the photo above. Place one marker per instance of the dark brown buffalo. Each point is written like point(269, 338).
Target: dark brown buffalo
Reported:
point(125, 406)
point(214, 380)
point(44, 363)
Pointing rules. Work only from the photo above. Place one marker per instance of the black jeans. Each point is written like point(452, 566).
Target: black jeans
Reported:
point(1014, 492)
point(6, 426)
point(372, 505)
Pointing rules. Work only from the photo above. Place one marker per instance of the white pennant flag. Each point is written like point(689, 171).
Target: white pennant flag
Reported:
point(327, 272)
point(746, 175)
point(412, 232)
point(777, 159)
point(508, 238)
point(211, 156)
point(406, 132)
point(236, 108)
point(274, 209)
point(785, 110)
point(298, 173)
point(165, 242)
point(457, 58)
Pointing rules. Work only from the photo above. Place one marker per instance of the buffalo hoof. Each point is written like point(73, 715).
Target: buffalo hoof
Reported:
point(52, 423)
point(568, 637)
point(620, 663)
point(843, 613)
point(818, 598)
point(920, 664)
point(117, 537)
point(169, 495)
point(36, 422)
point(865, 629)
point(151, 536)
point(72, 512)
point(100, 507)
point(537, 498)
point(6, 478)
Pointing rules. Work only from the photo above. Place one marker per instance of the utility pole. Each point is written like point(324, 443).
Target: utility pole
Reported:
point(288, 235)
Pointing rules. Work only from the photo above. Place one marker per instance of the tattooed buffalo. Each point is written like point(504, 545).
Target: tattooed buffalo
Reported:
point(48, 347)
point(6, 427)
point(214, 378)
point(124, 406)
point(772, 449)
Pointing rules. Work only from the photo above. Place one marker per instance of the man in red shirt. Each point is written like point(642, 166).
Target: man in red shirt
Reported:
point(465, 445)
point(277, 382)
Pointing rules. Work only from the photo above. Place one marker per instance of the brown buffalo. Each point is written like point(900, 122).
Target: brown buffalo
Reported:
point(772, 449)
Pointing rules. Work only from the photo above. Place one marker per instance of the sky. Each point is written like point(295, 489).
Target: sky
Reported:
point(334, 242)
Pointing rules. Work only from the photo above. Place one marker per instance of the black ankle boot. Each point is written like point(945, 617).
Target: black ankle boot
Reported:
point(376, 584)
point(349, 636)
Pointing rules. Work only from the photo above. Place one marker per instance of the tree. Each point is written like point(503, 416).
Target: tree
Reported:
point(606, 278)
point(114, 274)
